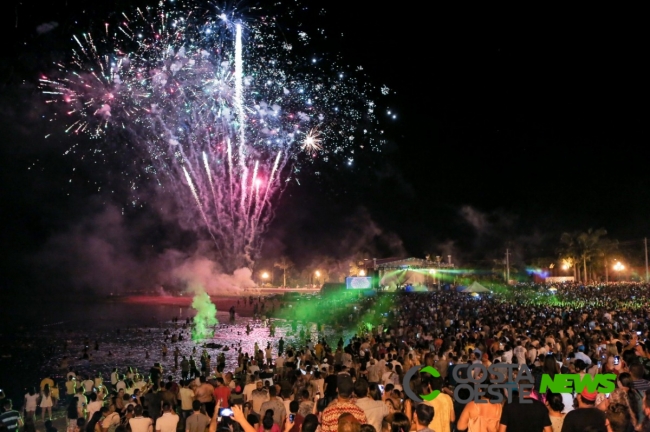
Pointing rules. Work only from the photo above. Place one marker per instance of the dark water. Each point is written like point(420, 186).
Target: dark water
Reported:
point(38, 334)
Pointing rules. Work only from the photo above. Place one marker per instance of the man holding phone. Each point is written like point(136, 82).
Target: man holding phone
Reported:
point(294, 416)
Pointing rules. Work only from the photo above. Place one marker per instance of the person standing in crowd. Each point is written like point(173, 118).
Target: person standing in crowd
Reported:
point(115, 377)
point(187, 399)
point(222, 393)
point(374, 410)
point(204, 393)
point(153, 403)
point(555, 406)
point(94, 405)
point(31, 402)
point(10, 418)
point(46, 403)
point(481, 417)
point(111, 418)
point(586, 416)
point(197, 422)
point(443, 405)
point(72, 414)
point(139, 423)
point(168, 421)
point(274, 404)
point(525, 417)
point(258, 397)
point(422, 417)
point(341, 405)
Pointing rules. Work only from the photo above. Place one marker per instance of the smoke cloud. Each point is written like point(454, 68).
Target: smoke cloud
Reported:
point(105, 254)
point(203, 274)
point(46, 27)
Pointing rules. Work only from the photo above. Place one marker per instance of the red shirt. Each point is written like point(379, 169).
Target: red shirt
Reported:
point(222, 393)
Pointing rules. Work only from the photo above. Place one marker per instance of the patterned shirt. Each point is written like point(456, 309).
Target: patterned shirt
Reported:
point(333, 412)
point(10, 418)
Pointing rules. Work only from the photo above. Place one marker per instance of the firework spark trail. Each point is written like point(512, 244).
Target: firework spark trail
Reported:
point(261, 204)
point(208, 172)
point(207, 106)
point(231, 186)
point(198, 202)
point(251, 200)
point(239, 106)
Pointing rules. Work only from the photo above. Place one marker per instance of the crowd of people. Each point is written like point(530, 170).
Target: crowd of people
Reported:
point(357, 385)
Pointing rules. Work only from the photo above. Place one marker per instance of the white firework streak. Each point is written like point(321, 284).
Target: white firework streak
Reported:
point(206, 164)
point(251, 201)
point(199, 204)
point(261, 204)
point(239, 106)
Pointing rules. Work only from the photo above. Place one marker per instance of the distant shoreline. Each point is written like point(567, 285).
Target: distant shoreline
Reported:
point(222, 302)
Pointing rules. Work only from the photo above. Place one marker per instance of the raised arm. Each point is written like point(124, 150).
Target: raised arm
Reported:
point(239, 417)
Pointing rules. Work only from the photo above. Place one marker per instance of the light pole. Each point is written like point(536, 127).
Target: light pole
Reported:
point(317, 273)
point(362, 272)
point(265, 277)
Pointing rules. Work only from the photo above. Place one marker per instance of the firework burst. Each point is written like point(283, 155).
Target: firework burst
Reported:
point(219, 111)
point(312, 142)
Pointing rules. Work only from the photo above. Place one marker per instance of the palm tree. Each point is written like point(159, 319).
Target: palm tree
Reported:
point(569, 251)
point(606, 249)
point(284, 264)
point(588, 245)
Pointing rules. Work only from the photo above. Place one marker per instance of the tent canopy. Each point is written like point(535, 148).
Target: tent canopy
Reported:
point(476, 287)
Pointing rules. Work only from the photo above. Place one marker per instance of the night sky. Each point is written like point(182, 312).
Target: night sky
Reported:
point(513, 126)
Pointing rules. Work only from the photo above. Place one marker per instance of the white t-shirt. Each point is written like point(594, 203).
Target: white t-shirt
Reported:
point(167, 422)
point(140, 424)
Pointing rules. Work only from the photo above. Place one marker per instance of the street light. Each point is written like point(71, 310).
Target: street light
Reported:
point(618, 266)
point(265, 277)
point(362, 273)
